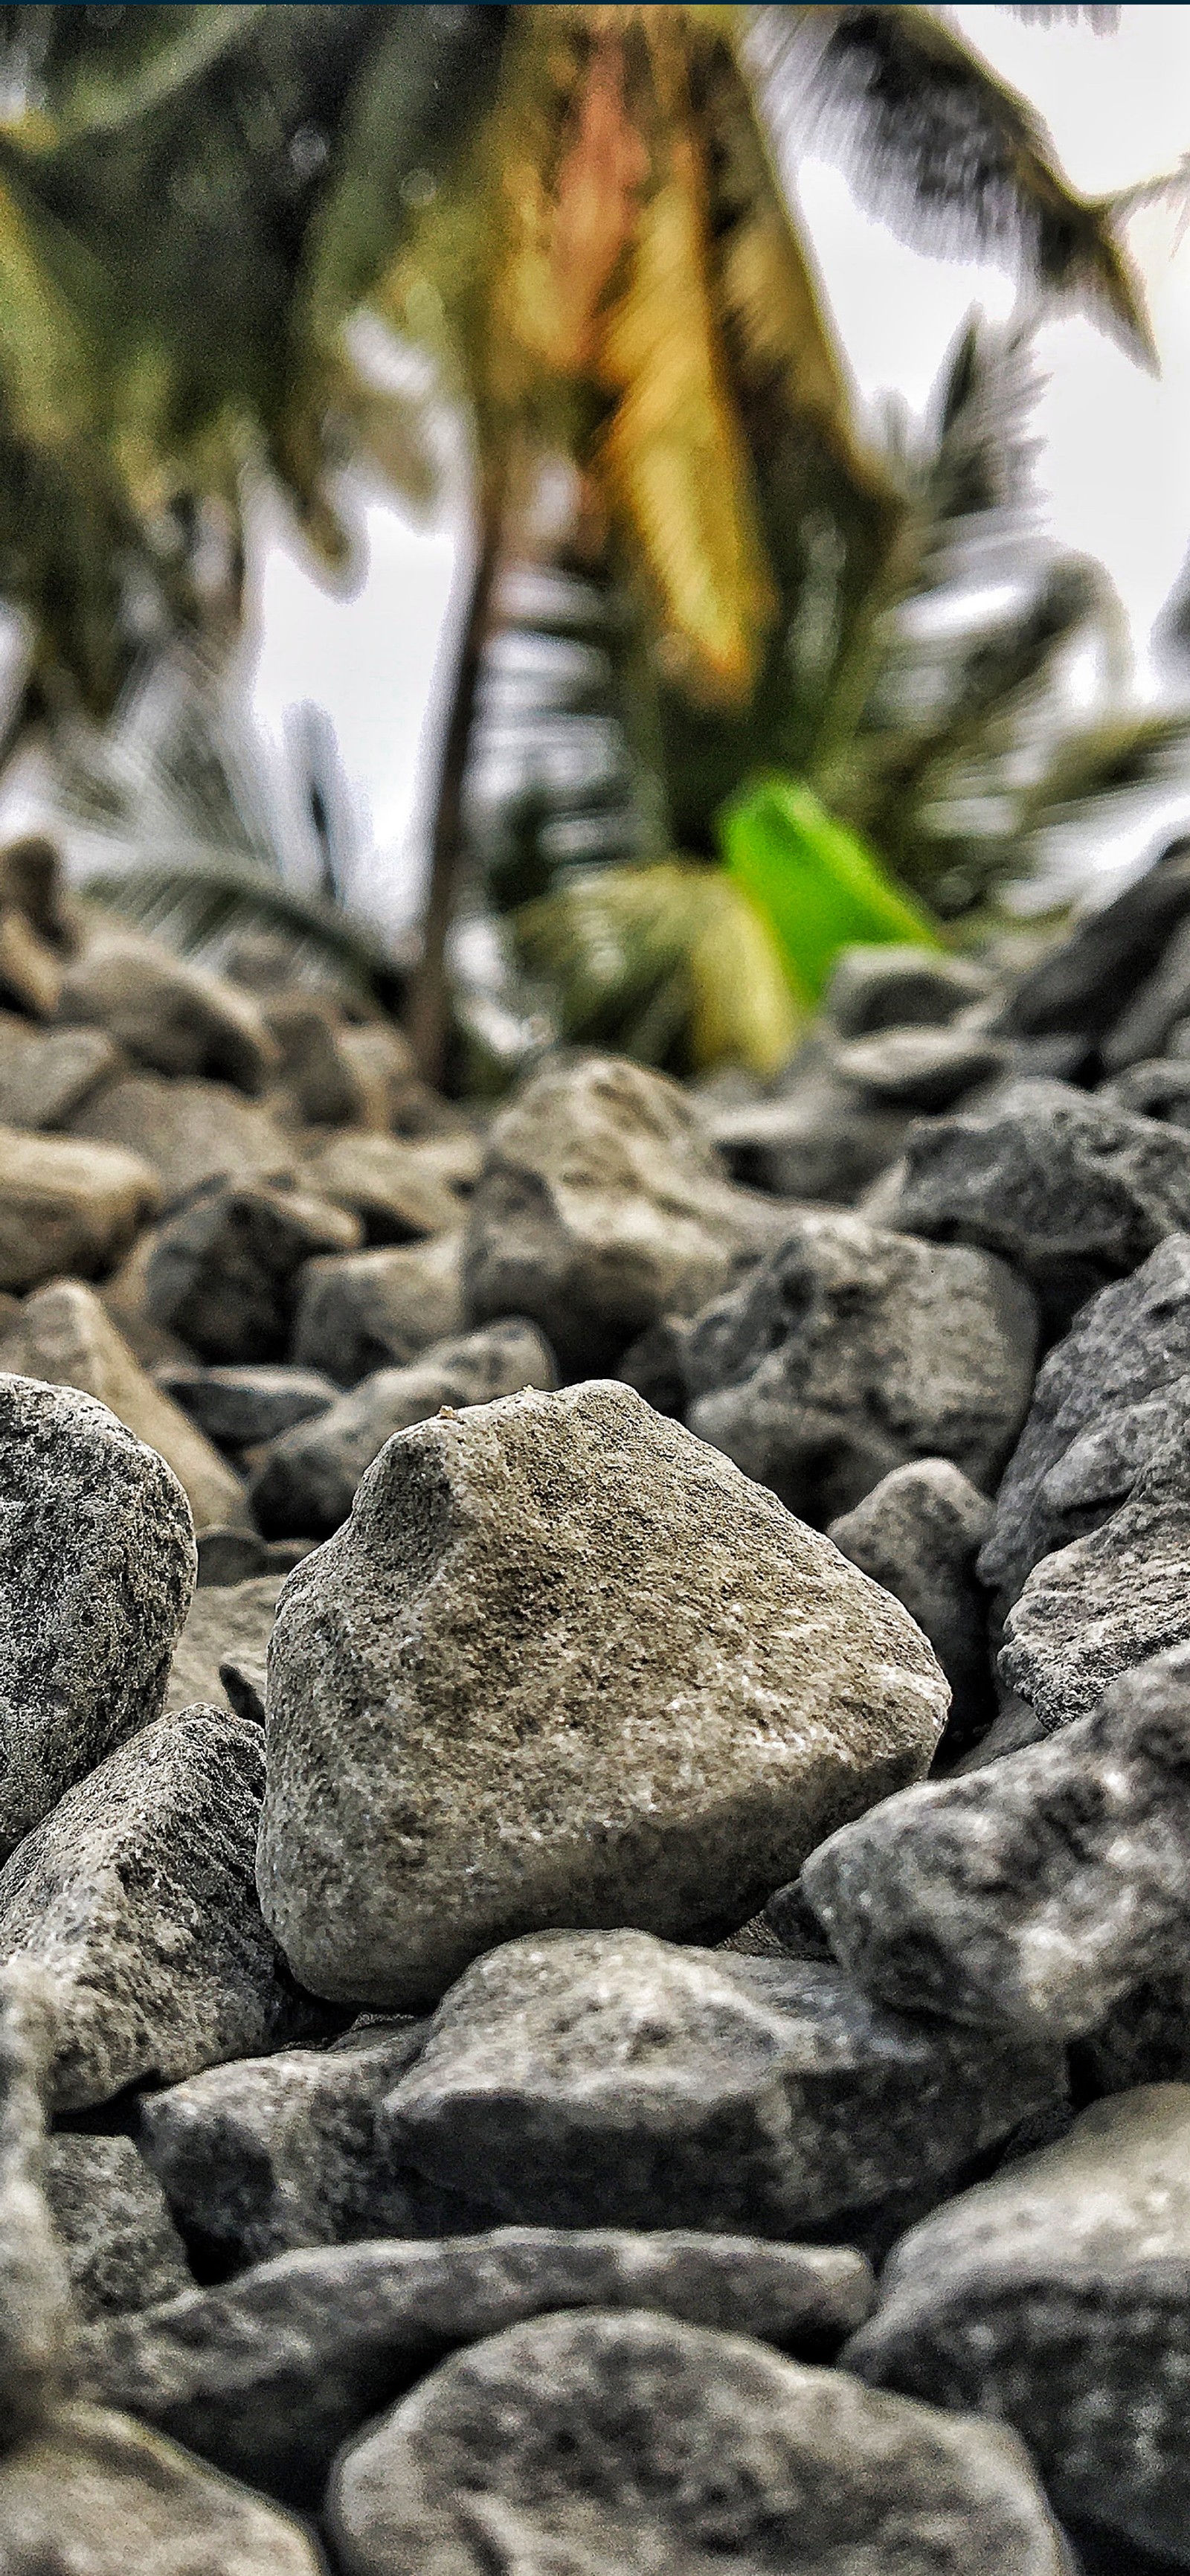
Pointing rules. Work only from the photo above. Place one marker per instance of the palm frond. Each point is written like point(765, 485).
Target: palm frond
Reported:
point(201, 902)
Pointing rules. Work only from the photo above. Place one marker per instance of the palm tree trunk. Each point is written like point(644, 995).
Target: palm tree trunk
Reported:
point(428, 1024)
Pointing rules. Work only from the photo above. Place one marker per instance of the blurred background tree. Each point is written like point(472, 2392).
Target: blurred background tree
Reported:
point(575, 212)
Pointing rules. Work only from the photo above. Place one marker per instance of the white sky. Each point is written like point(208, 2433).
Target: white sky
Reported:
point(1114, 463)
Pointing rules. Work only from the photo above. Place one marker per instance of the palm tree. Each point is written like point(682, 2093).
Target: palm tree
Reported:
point(577, 210)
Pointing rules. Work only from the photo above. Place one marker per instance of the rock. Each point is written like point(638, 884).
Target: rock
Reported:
point(170, 1016)
point(1056, 2298)
point(109, 2214)
point(399, 1191)
point(96, 1573)
point(239, 1407)
point(919, 1533)
point(66, 1206)
point(1015, 1726)
point(1071, 1190)
point(1091, 1424)
point(224, 1270)
point(852, 1350)
point(54, 1074)
point(822, 1139)
point(1160, 1090)
point(188, 1132)
point(269, 2375)
point(899, 987)
point(32, 882)
point(919, 1068)
point(225, 1622)
point(588, 2079)
point(1037, 1893)
point(1084, 984)
point(96, 2495)
point(123, 1296)
point(597, 2442)
point(136, 1900)
point(1163, 999)
point(227, 1556)
point(317, 1073)
point(35, 2306)
point(601, 1205)
point(672, 1714)
point(1107, 1602)
point(30, 972)
point(380, 1059)
point(307, 1480)
point(364, 1311)
point(271, 2153)
point(64, 1337)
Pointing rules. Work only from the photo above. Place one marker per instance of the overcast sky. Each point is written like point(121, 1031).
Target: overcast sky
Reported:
point(1114, 462)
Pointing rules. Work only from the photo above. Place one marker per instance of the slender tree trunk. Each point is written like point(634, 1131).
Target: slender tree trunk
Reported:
point(429, 1009)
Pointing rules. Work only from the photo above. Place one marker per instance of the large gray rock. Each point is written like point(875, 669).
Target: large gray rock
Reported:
point(224, 1269)
point(919, 1533)
point(362, 1311)
point(1091, 1424)
point(1057, 2298)
point(1037, 1893)
point(1084, 984)
point(1071, 1190)
point(1105, 1603)
point(269, 2375)
point(1163, 999)
point(188, 1132)
point(110, 2217)
point(167, 1014)
point(852, 1350)
point(620, 2445)
point(93, 2494)
point(65, 1205)
point(305, 1483)
point(97, 1568)
point(135, 1900)
point(63, 1336)
point(226, 1623)
point(606, 2078)
point(601, 1205)
point(264, 2154)
point(564, 1665)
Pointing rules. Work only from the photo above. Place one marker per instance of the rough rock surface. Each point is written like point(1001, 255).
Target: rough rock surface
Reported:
point(703, 1696)
point(226, 1622)
point(919, 1533)
point(1091, 1424)
point(135, 1899)
point(270, 2153)
point(268, 2375)
point(64, 1206)
point(224, 1270)
point(306, 1480)
point(109, 2214)
point(64, 1338)
point(635, 2442)
point(362, 1311)
point(1038, 1893)
point(1071, 1190)
point(97, 1569)
point(166, 1014)
point(851, 1350)
point(601, 1205)
point(607, 2078)
point(1056, 2298)
point(187, 1132)
point(93, 2494)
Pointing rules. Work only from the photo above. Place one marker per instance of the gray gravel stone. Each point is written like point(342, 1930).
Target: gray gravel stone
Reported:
point(1056, 2298)
point(266, 2154)
point(362, 1311)
point(306, 1481)
point(225, 1622)
point(66, 1206)
point(603, 2443)
point(820, 1139)
point(920, 1068)
point(1084, 983)
point(851, 1350)
point(54, 1074)
point(224, 1268)
point(919, 1533)
point(400, 1191)
point(166, 1013)
point(109, 2214)
point(96, 1573)
point(607, 2078)
point(1073, 1191)
point(136, 1900)
point(1163, 999)
point(1036, 1893)
point(900, 986)
point(93, 2494)
point(1091, 1426)
point(268, 2375)
point(188, 1132)
point(671, 1716)
point(601, 1205)
point(240, 1407)
point(1152, 1090)
point(36, 2321)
